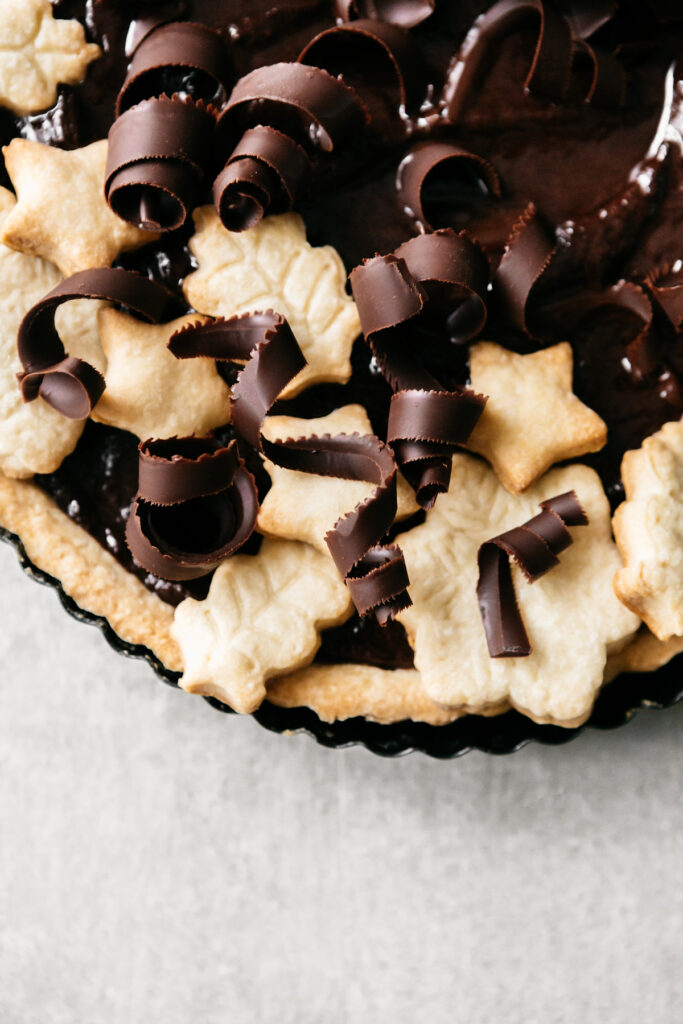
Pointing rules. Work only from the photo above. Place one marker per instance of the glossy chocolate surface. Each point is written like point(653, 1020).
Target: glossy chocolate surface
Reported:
point(609, 181)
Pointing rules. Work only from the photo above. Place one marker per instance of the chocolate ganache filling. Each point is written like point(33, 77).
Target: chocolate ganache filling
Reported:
point(548, 132)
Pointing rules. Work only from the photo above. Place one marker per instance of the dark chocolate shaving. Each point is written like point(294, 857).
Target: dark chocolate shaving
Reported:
point(262, 176)
point(157, 155)
point(607, 86)
point(406, 13)
point(185, 51)
point(442, 276)
point(72, 386)
point(380, 41)
point(534, 546)
point(423, 162)
point(526, 257)
point(375, 574)
point(193, 489)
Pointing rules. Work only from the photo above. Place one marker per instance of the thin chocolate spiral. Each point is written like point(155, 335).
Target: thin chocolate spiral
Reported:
point(551, 67)
point(429, 275)
point(375, 574)
point(72, 386)
point(305, 110)
point(534, 546)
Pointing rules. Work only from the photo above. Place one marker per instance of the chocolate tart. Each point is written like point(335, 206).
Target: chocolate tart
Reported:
point(601, 165)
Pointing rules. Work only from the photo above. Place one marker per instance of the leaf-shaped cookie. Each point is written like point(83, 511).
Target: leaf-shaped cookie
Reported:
point(36, 52)
point(262, 618)
point(272, 266)
point(34, 438)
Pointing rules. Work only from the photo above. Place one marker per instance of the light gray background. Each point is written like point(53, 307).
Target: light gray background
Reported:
point(162, 863)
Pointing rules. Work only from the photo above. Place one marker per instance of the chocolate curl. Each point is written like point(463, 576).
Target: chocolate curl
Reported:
point(551, 64)
point(666, 290)
point(375, 575)
point(190, 488)
point(69, 385)
point(423, 161)
point(309, 104)
point(425, 277)
point(172, 51)
point(387, 43)
point(607, 86)
point(265, 172)
point(406, 13)
point(534, 546)
point(526, 257)
point(157, 155)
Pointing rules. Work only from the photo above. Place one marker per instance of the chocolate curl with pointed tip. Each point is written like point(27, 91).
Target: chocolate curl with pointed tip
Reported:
point(665, 286)
point(72, 386)
point(607, 87)
point(406, 13)
point(424, 278)
point(190, 489)
point(550, 68)
point(306, 110)
point(156, 160)
point(179, 50)
point(427, 159)
point(262, 176)
point(526, 257)
point(375, 574)
point(534, 546)
point(381, 41)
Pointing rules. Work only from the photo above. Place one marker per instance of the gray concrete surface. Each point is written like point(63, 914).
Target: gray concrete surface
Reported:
point(161, 863)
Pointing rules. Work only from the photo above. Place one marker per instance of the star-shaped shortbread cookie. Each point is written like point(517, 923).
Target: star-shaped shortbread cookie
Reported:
point(572, 615)
point(648, 527)
point(532, 418)
point(61, 213)
point(36, 52)
point(272, 266)
point(261, 619)
point(304, 506)
point(34, 438)
point(150, 392)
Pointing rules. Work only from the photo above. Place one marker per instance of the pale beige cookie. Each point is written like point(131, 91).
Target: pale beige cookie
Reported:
point(304, 506)
point(532, 418)
point(272, 266)
point(34, 438)
point(151, 393)
point(648, 528)
point(571, 614)
point(61, 213)
point(262, 618)
point(337, 692)
point(645, 653)
point(36, 52)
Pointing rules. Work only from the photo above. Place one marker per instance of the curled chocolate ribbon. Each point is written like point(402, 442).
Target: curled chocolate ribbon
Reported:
point(443, 276)
point(406, 13)
point(551, 67)
point(365, 43)
point(374, 573)
point(190, 488)
point(176, 55)
point(72, 386)
point(305, 110)
point(425, 161)
point(156, 159)
point(534, 546)
point(527, 254)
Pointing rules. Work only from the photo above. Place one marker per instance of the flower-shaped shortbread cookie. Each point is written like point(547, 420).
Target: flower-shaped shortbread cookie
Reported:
point(34, 438)
point(571, 614)
point(648, 527)
point(61, 213)
point(272, 266)
point(261, 619)
point(36, 52)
